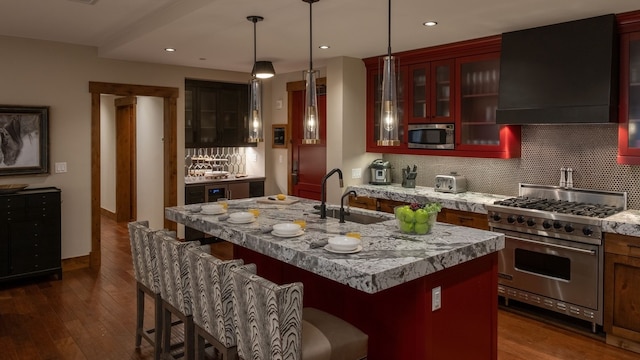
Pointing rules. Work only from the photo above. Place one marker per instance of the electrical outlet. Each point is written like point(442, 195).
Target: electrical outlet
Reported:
point(436, 298)
point(356, 173)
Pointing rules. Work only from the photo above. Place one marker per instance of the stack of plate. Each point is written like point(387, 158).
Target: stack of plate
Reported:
point(241, 217)
point(212, 209)
point(287, 230)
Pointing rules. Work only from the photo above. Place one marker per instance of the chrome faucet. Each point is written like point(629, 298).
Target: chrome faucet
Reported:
point(342, 203)
point(323, 194)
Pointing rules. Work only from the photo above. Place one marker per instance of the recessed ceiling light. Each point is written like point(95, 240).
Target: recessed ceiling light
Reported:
point(170, 49)
point(324, 47)
point(429, 23)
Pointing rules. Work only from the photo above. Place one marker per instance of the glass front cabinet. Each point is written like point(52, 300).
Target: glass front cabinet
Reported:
point(629, 126)
point(452, 84)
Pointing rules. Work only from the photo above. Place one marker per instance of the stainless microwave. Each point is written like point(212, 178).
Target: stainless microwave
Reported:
point(431, 136)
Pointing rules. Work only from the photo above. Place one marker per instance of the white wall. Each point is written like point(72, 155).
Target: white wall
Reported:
point(149, 161)
point(107, 153)
point(57, 75)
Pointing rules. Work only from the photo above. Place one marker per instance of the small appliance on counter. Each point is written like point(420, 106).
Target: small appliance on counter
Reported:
point(452, 183)
point(409, 177)
point(380, 172)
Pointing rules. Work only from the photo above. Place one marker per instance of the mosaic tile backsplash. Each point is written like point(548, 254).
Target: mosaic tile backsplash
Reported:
point(590, 150)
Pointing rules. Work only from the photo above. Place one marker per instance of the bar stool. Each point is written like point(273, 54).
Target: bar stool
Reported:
point(174, 282)
point(271, 324)
point(147, 283)
point(212, 288)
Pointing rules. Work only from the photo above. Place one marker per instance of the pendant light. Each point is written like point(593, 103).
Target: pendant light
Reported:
point(261, 70)
point(310, 121)
point(389, 100)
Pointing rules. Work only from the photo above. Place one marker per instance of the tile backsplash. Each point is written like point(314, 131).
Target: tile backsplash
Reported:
point(590, 150)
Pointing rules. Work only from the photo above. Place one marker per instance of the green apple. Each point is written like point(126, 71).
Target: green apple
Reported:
point(409, 216)
point(422, 228)
point(406, 227)
point(422, 216)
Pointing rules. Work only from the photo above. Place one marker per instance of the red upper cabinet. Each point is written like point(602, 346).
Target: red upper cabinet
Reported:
point(455, 84)
point(629, 120)
point(477, 98)
point(430, 92)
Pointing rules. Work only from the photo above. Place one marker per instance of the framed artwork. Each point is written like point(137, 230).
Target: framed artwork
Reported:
point(279, 135)
point(24, 140)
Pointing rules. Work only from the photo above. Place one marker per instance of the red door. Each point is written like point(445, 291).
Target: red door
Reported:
point(308, 162)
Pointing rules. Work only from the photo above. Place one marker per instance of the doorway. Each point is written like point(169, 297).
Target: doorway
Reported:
point(308, 162)
point(169, 125)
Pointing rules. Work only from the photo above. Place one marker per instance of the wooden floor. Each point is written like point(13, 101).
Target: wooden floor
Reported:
point(90, 315)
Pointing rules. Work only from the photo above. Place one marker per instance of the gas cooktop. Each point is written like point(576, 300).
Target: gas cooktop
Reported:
point(561, 206)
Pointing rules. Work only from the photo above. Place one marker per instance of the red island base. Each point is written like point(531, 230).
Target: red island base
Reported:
point(399, 321)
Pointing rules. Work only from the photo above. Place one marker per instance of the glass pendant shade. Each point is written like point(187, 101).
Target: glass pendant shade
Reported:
point(255, 111)
point(261, 70)
point(310, 122)
point(389, 105)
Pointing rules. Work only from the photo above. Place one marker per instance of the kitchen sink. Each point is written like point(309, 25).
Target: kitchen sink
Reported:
point(357, 217)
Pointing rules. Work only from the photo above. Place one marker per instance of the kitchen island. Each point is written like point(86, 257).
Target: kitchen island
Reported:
point(385, 289)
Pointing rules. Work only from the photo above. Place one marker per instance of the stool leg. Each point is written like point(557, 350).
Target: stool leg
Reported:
point(166, 333)
point(157, 351)
point(188, 338)
point(139, 314)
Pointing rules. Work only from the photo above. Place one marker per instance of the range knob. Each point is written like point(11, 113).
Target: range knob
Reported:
point(547, 224)
point(511, 219)
point(520, 219)
point(496, 217)
point(568, 228)
point(531, 222)
point(557, 224)
point(587, 231)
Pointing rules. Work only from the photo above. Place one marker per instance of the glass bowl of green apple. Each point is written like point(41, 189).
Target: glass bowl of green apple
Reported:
point(416, 218)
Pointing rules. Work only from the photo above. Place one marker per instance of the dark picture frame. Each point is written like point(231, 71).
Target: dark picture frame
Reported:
point(279, 135)
point(24, 140)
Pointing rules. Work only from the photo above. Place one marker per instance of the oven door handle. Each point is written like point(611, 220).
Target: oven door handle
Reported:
point(569, 248)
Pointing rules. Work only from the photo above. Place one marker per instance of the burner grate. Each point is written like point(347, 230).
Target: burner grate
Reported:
point(561, 206)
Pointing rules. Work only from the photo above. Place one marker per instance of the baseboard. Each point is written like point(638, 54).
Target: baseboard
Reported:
point(80, 262)
point(623, 343)
point(108, 214)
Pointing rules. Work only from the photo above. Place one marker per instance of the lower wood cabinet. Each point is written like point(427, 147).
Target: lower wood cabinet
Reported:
point(622, 291)
point(30, 234)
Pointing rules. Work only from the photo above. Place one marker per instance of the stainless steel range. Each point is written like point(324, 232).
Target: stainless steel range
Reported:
point(553, 255)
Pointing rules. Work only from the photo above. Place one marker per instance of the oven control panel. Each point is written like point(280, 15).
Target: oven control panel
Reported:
point(552, 225)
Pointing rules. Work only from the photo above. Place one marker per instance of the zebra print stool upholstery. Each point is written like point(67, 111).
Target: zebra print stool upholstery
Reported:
point(271, 324)
point(147, 282)
point(212, 288)
point(174, 282)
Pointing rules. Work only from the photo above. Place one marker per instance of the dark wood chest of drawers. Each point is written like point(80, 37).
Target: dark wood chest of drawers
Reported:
point(30, 233)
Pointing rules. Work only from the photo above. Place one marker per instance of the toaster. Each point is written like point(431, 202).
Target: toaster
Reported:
point(452, 183)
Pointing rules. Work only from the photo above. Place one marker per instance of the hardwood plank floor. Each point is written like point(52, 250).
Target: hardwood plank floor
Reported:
point(91, 315)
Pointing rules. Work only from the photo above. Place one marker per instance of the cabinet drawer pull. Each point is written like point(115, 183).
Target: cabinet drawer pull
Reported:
point(462, 218)
point(633, 246)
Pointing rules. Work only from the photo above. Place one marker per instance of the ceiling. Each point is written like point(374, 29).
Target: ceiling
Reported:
point(216, 34)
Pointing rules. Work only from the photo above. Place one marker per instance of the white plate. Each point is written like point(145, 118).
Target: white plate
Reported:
point(274, 233)
point(213, 212)
point(329, 249)
point(240, 222)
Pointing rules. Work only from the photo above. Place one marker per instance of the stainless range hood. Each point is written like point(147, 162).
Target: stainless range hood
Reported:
point(560, 74)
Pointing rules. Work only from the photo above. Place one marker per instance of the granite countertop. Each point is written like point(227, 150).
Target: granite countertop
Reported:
point(388, 258)
point(624, 223)
point(231, 178)
point(467, 201)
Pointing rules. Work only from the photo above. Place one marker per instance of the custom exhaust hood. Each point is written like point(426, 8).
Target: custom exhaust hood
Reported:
point(560, 74)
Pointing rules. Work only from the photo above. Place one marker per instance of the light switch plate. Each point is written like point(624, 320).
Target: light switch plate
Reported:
point(61, 167)
point(356, 173)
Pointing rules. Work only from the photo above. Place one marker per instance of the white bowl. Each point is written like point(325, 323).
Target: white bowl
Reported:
point(344, 243)
point(241, 216)
point(286, 228)
point(212, 208)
